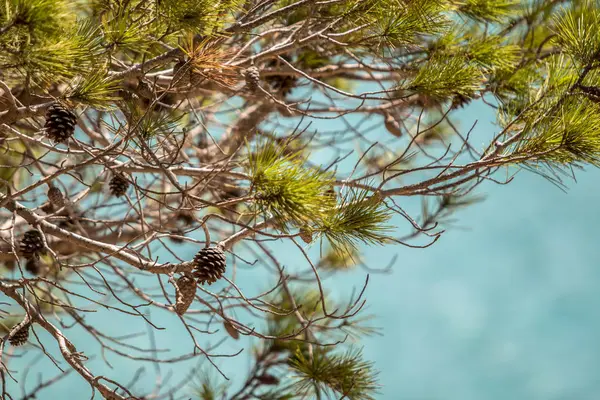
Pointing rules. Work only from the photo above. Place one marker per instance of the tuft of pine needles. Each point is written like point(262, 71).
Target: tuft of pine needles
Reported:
point(346, 374)
point(339, 259)
point(359, 218)
point(95, 90)
point(578, 31)
point(487, 10)
point(570, 136)
point(286, 188)
point(442, 77)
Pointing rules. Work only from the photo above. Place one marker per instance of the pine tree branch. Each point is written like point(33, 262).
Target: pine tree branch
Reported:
point(9, 117)
point(119, 252)
point(67, 348)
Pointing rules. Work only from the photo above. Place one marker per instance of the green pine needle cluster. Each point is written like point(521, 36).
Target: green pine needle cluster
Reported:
point(345, 374)
point(558, 119)
point(289, 191)
point(151, 124)
point(359, 218)
point(205, 387)
point(336, 259)
point(442, 77)
point(578, 32)
point(49, 41)
point(487, 10)
point(402, 23)
point(121, 32)
point(285, 188)
point(196, 16)
point(491, 53)
point(95, 90)
point(571, 136)
point(42, 39)
point(33, 21)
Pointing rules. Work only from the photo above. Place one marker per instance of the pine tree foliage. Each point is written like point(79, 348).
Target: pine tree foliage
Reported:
point(403, 23)
point(488, 10)
point(359, 218)
point(347, 374)
point(576, 33)
point(442, 77)
point(171, 126)
point(285, 188)
point(339, 258)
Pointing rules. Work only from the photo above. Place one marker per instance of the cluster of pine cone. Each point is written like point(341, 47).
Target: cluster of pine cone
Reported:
point(60, 126)
point(209, 263)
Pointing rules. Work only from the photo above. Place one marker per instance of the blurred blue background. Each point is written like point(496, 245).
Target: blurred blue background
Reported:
point(506, 305)
point(507, 309)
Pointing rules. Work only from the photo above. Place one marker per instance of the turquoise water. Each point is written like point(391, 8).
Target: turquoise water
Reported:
point(505, 310)
point(504, 306)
